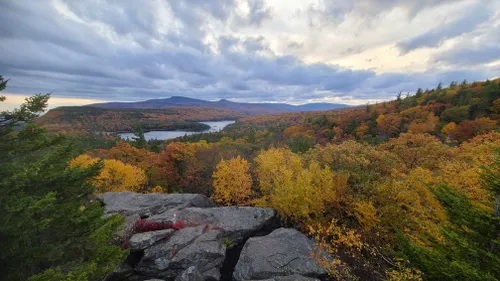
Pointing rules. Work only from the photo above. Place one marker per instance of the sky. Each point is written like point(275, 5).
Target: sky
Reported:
point(294, 51)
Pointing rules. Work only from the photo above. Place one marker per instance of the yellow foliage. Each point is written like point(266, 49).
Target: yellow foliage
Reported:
point(331, 238)
point(402, 273)
point(450, 131)
point(114, 176)
point(418, 150)
point(408, 204)
point(366, 214)
point(232, 182)
point(157, 189)
point(296, 191)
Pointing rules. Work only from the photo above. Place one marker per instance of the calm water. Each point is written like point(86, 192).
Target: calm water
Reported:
point(215, 126)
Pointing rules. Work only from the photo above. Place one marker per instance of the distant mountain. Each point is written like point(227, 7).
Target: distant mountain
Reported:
point(247, 108)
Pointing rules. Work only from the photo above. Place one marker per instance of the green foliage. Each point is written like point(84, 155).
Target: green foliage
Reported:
point(139, 140)
point(228, 242)
point(49, 226)
point(455, 114)
point(463, 254)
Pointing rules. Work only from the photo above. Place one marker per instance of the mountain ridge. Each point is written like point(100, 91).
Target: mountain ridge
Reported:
point(247, 108)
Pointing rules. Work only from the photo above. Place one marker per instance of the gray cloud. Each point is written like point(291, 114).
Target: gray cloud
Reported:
point(433, 38)
point(122, 50)
point(325, 12)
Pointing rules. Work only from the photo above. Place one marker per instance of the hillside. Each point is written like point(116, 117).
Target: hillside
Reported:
point(80, 119)
point(245, 108)
point(454, 114)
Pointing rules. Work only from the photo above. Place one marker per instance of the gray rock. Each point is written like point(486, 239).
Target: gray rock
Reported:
point(141, 241)
point(294, 277)
point(129, 203)
point(190, 274)
point(127, 229)
point(198, 246)
point(237, 223)
point(122, 272)
point(284, 252)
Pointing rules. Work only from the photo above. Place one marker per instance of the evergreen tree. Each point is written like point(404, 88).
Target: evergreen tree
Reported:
point(139, 140)
point(490, 179)
point(49, 229)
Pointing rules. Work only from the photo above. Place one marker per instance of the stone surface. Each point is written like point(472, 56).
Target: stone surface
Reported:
point(237, 223)
point(284, 252)
point(122, 272)
point(190, 274)
point(127, 230)
point(294, 277)
point(198, 246)
point(141, 241)
point(129, 203)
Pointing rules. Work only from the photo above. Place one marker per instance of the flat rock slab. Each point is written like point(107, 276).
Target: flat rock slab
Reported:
point(145, 205)
point(141, 241)
point(294, 277)
point(200, 246)
point(237, 223)
point(284, 252)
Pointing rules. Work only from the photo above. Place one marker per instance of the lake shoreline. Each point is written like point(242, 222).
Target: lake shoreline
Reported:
point(214, 126)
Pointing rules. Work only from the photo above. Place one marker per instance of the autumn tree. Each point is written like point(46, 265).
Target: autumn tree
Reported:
point(232, 182)
point(296, 190)
point(418, 150)
point(114, 176)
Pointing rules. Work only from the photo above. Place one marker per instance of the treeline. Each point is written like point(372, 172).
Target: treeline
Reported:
point(76, 120)
point(453, 114)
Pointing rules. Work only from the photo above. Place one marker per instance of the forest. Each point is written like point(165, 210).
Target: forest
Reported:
point(402, 190)
point(77, 120)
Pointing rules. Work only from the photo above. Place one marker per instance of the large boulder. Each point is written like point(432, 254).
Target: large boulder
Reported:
point(127, 229)
point(200, 246)
point(145, 205)
point(284, 252)
point(190, 274)
point(141, 241)
point(237, 223)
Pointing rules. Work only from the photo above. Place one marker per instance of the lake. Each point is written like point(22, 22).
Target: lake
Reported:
point(215, 126)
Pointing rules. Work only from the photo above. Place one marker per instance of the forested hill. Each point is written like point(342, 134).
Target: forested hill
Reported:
point(246, 108)
point(82, 119)
point(455, 113)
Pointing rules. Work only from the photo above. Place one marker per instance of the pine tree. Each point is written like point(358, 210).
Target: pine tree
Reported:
point(48, 228)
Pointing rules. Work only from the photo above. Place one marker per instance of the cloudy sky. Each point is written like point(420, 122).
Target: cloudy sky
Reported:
point(292, 51)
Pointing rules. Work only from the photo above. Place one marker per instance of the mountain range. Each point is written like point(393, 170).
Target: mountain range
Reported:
point(246, 108)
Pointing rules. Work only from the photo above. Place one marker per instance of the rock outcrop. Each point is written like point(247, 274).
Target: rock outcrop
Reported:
point(294, 277)
point(284, 252)
point(238, 223)
point(184, 237)
point(141, 241)
point(198, 246)
point(145, 205)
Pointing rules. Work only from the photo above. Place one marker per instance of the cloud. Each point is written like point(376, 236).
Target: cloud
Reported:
point(324, 12)
point(243, 50)
point(466, 22)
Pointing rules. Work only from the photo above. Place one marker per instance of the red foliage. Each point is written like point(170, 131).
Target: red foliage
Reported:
point(146, 226)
